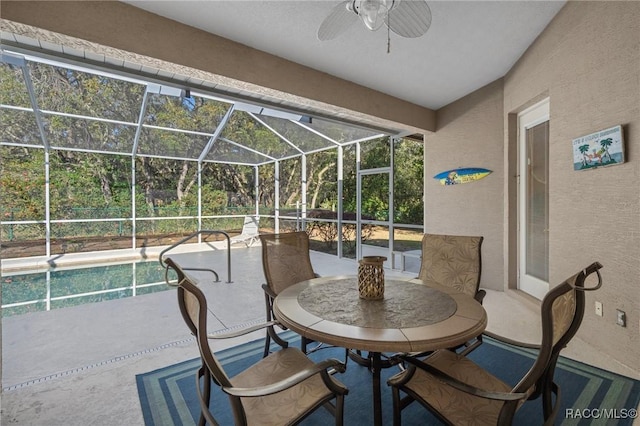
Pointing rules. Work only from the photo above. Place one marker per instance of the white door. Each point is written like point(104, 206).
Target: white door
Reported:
point(533, 200)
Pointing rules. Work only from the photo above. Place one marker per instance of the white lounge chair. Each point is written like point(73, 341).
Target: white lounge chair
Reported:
point(250, 232)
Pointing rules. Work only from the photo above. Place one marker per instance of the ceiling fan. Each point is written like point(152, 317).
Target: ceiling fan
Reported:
point(406, 18)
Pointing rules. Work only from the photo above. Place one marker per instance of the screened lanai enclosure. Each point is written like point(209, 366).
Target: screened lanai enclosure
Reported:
point(94, 160)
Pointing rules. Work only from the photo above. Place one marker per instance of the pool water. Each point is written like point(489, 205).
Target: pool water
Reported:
point(59, 288)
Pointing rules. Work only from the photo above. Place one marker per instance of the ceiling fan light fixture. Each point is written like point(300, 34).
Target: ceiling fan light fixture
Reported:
point(373, 13)
point(405, 18)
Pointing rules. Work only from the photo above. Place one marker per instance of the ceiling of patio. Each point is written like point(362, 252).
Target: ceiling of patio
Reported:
point(469, 44)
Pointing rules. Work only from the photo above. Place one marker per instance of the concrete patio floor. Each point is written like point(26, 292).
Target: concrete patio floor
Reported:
point(77, 366)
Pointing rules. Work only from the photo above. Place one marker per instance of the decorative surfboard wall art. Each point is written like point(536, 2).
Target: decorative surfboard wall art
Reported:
point(464, 175)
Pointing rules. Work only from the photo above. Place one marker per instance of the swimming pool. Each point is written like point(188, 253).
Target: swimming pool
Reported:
point(45, 290)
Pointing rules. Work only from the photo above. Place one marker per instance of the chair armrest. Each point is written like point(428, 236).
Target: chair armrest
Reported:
point(242, 332)
point(288, 382)
point(200, 269)
point(511, 342)
point(455, 383)
point(268, 291)
point(166, 274)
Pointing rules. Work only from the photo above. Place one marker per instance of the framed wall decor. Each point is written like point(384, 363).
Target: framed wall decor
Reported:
point(599, 149)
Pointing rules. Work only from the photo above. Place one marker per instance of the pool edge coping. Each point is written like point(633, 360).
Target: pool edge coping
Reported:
point(103, 256)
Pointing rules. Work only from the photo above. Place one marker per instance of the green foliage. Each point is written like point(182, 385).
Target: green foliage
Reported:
point(214, 201)
point(375, 154)
point(22, 183)
point(87, 185)
point(83, 185)
point(327, 232)
point(408, 184)
point(13, 91)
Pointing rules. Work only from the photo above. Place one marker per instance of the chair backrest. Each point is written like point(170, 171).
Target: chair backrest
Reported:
point(452, 261)
point(285, 259)
point(562, 311)
point(193, 307)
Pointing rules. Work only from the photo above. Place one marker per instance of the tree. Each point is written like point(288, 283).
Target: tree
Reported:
point(22, 183)
point(86, 115)
point(583, 150)
point(408, 182)
point(605, 144)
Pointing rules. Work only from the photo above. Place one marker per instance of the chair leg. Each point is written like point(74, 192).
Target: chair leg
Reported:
point(271, 332)
point(469, 347)
point(339, 412)
point(267, 344)
point(206, 394)
point(547, 401)
point(397, 408)
point(272, 335)
point(547, 386)
point(551, 410)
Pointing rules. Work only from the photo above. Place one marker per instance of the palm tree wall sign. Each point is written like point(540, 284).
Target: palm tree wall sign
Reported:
point(603, 148)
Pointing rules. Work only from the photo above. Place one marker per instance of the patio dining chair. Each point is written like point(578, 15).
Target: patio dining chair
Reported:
point(460, 392)
point(285, 261)
point(281, 389)
point(454, 261)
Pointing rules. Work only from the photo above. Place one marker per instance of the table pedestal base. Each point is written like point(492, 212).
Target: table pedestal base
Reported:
point(374, 362)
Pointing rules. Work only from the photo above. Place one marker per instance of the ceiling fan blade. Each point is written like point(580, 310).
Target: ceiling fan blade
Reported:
point(409, 18)
point(340, 18)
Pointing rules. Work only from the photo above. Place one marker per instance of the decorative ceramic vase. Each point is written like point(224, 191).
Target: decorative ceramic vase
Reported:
point(371, 277)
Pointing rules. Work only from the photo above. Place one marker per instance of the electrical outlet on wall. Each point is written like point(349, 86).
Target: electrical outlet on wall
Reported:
point(621, 319)
point(599, 309)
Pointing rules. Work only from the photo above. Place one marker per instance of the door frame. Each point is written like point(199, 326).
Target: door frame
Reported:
point(530, 117)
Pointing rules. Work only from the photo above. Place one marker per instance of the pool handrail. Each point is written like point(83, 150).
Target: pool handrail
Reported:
point(195, 234)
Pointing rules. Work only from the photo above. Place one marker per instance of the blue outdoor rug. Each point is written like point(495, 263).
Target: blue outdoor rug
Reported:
point(168, 395)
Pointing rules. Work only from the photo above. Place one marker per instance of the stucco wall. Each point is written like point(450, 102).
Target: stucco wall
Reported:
point(469, 134)
point(587, 61)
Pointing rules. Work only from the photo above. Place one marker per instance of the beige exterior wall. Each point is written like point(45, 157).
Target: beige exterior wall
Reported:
point(469, 134)
point(587, 62)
